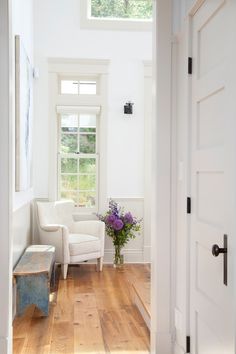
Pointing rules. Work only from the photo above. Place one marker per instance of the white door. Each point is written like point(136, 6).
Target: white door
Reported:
point(213, 180)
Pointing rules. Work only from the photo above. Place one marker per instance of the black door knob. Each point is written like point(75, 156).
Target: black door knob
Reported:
point(216, 250)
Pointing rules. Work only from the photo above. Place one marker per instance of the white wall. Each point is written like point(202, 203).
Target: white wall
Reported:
point(22, 24)
point(6, 175)
point(58, 35)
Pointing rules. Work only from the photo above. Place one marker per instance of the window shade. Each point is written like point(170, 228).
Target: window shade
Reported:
point(78, 109)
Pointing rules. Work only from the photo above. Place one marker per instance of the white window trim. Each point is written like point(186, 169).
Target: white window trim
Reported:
point(75, 67)
point(88, 22)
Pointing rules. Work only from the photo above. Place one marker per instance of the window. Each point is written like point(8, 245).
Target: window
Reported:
point(116, 14)
point(78, 132)
point(78, 155)
point(78, 86)
point(129, 9)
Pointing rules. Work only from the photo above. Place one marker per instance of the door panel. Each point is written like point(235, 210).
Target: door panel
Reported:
point(211, 52)
point(210, 121)
point(212, 166)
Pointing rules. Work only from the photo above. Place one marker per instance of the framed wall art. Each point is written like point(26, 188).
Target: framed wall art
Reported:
point(23, 124)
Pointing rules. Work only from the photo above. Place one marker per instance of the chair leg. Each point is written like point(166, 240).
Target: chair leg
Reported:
point(99, 264)
point(64, 269)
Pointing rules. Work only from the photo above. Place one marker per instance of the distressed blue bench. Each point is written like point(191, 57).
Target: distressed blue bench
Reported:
point(33, 274)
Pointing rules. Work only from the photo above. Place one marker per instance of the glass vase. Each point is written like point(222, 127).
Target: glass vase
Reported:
point(118, 258)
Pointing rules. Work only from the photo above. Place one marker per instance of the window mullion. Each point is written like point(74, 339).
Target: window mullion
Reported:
point(78, 167)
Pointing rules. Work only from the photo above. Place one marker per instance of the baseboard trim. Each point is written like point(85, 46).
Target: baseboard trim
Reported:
point(147, 254)
point(130, 255)
point(5, 345)
point(161, 343)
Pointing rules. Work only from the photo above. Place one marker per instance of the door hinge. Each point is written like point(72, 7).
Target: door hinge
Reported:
point(190, 65)
point(189, 205)
point(188, 347)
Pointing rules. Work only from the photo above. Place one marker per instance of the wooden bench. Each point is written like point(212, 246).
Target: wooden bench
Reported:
point(33, 274)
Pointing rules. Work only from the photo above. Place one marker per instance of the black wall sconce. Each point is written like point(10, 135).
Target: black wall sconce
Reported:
point(128, 108)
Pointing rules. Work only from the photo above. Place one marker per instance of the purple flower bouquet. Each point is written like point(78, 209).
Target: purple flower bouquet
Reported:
point(121, 226)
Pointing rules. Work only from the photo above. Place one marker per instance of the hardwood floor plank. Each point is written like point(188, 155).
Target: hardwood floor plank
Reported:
point(22, 324)
point(85, 301)
point(38, 338)
point(18, 345)
point(62, 338)
point(88, 335)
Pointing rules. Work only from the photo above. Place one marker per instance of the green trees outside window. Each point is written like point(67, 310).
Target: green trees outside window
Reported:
point(78, 160)
point(130, 9)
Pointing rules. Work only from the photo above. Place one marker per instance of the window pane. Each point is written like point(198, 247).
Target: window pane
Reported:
point(87, 121)
point(87, 130)
point(87, 165)
point(87, 87)
point(69, 182)
point(70, 195)
point(87, 199)
point(69, 123)
point(87, 144)
point(87, 182)
point(69, 143)
point(69, 165)
point(134, 9)
point(69, 87)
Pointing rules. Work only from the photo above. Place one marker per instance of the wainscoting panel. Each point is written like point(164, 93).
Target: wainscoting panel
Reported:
point(22, 237)
point(21, 231)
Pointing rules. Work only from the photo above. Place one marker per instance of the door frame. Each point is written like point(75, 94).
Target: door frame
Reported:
point(6, 185)
point(161, 203)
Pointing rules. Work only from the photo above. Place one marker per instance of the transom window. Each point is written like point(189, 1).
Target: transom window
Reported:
point(78, 86)
point(77, 151)
point(121, 9)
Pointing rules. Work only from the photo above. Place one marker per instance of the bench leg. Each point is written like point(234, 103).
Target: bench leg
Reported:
point(64, 269)
point(33, 290)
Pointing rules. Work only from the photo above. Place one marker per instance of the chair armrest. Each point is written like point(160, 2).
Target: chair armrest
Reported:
point(51, 227)
point(90, 227)
point(58, 236)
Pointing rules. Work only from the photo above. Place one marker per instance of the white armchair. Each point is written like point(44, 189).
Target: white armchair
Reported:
point(74, 241)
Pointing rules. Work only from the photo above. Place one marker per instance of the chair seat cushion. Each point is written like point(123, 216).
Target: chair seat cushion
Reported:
point(83, 244)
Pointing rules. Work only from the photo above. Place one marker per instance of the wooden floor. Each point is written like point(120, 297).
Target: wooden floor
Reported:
point(91, 313)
